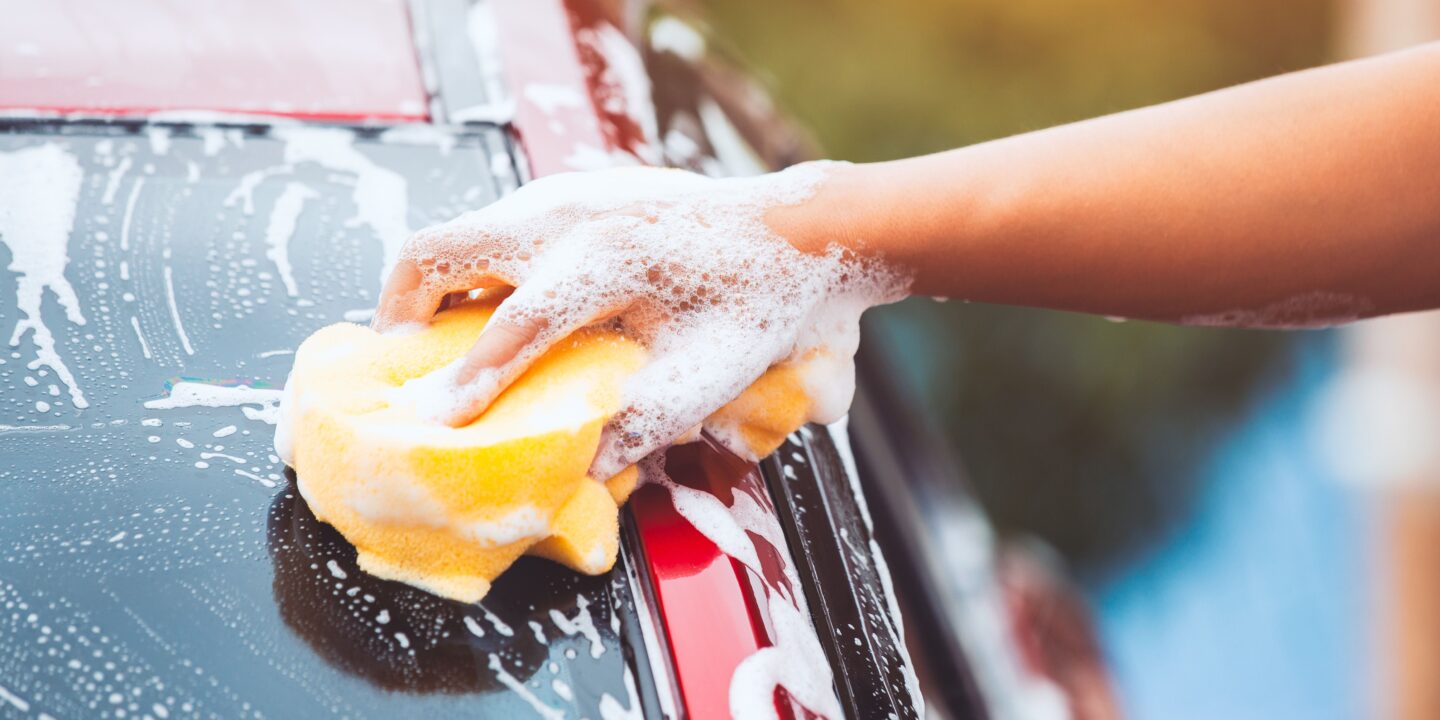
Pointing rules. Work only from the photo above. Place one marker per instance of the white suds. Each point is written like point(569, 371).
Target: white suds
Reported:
point(624, 85)
point(509, 681)
point(337, 572)
point(1310, 311)
point(193, 394)
point(474, 627)
point(698, 277)
point(710, 516)
point(381, 196)
point(159, 139)
point(267, 482)
point(672, 35)
point(16, 700)
point(484, 35)
point(795, 662)
point(39, 187)
point(175, 311)
point(112, 183)
point(550, 98)
point(33, 428)
point(896, 625)
point(562, 690)
point(499, 624)
point(398, 500)
point(611, 709)
point(582, 623)
point(283, 217)
point(130, 212)
point(226, 431)
point(539, 632)
point(144, 346)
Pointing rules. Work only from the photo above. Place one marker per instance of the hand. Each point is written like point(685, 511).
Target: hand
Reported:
point(685, 264)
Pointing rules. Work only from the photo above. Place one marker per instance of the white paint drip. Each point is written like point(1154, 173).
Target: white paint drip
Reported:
point(283, 218)
point(509, 681)
point(39, 188)
point(583, 623)
point(187, 394)
point(175, 311)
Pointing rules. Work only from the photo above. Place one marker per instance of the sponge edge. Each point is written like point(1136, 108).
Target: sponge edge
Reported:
point(449, 509)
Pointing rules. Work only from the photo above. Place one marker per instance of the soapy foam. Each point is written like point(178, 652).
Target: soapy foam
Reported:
point(281, 228)
point(672, 35)
point(1308, 311)
point(401, 501)
point(509, 681)
point(381, 196)
point(39, 187)
point(795, 660)
point(583, 624)
point(187, 394)
point(690, 268)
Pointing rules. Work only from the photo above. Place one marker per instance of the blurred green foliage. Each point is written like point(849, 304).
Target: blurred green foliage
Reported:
point(1084, 432)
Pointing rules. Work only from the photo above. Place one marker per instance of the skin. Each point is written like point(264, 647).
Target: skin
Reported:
point(1307, 198)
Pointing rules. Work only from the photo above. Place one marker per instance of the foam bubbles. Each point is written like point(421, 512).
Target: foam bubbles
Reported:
point(683, 263)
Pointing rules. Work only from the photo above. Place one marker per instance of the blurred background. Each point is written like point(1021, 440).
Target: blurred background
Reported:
point(1247, 511)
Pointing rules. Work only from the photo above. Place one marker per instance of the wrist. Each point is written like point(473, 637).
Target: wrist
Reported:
point(828, 217)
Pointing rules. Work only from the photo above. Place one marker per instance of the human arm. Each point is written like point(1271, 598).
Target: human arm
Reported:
point(1307, 198)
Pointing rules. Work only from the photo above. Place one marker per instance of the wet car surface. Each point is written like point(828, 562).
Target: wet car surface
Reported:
point(141, 572)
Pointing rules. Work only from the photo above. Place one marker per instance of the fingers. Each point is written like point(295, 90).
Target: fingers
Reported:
point(419, 283)
point(398, 305)
point(524, 327)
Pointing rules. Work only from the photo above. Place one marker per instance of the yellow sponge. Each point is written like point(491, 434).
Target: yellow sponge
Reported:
point(448, 509)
